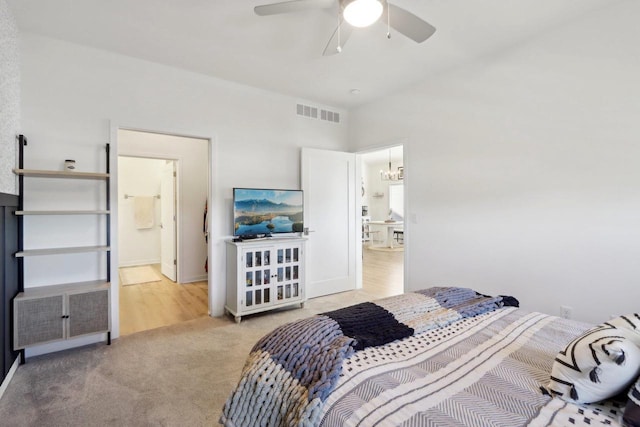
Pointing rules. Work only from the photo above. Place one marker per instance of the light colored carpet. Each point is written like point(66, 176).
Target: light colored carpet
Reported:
point(178, 375)
point(137, 275)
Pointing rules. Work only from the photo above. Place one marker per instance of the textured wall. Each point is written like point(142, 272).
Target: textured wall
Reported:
point(9, 97)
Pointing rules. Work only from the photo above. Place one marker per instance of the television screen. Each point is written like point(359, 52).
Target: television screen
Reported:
point(263, 212)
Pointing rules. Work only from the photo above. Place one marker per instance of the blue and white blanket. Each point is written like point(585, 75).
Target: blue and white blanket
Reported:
point(291, 372)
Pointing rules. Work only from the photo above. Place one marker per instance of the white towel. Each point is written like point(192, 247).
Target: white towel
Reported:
point(143, 212)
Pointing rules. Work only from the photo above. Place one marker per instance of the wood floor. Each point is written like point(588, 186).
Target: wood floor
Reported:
point(382, 272)
point(152, 305)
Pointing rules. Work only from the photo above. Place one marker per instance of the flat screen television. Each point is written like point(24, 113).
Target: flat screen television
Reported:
point(264, 212)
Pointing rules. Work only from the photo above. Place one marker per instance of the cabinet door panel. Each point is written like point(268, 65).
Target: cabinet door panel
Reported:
point(38, 320)
point(88, 313)
point(264, 275)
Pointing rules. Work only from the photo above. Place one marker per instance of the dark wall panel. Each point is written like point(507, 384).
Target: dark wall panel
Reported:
point(8, 278)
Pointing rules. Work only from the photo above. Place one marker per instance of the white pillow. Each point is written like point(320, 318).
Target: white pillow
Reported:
point(631, 322)
point(597, 365)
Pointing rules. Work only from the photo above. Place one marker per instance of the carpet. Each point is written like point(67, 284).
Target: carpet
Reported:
point(179, 375)
point(137, 275)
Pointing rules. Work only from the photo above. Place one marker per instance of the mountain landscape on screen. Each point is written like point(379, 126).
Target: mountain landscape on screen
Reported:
point(264, 212)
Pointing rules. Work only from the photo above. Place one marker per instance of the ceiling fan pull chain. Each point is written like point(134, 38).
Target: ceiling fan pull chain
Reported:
point(339, 48)
point(388, 21)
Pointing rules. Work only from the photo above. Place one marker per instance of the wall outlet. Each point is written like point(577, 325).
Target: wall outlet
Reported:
point(566, 311)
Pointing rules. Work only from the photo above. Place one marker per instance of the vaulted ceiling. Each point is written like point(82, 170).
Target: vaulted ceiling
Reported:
point(283, 53)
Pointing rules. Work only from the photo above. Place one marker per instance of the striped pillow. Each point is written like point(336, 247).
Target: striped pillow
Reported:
point(631, 416)
point(630, 322)
point(599, 364)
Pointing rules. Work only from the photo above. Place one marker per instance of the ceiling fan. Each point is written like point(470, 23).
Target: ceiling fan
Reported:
point(358, 14)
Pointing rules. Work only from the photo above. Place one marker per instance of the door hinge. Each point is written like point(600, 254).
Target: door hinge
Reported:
point(175, 262)
point(174, 175)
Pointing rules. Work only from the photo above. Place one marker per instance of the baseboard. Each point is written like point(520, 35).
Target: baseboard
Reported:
point(202, 278)
point(53, 347)
point(139, 263)
point(7, 379)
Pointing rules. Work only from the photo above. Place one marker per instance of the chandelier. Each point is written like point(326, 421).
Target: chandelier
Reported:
point(390, 175)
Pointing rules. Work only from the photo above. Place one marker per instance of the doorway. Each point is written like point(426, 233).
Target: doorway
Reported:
point(383, 231)
point(147, 218)
point(162, 195)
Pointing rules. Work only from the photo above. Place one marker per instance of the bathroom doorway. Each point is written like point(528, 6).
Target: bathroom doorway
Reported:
point(162, 250)
point(147, 216)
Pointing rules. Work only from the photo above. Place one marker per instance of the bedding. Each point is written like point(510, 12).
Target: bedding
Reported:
point(439, 357)
point(631, 415)
point(599, 364)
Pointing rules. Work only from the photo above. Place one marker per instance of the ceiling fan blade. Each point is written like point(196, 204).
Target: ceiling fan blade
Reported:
point(408, 24)
point(334, 45)
point(291, 6)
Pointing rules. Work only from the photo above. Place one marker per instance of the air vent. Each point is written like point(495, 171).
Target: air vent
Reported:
point(307, 111)
point(312, 113)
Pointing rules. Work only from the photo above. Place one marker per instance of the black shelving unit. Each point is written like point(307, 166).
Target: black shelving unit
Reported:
point(66, 319)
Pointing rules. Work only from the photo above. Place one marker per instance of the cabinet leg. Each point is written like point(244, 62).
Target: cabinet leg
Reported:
point(238, 319)
point(109, 338)
point(302, 305)
point(22, 357)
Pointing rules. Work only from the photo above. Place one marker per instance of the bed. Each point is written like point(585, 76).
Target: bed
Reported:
point(436, 357)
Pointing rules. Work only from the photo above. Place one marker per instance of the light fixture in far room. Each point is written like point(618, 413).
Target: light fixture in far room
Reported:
point(362, 13)
point(390, 175)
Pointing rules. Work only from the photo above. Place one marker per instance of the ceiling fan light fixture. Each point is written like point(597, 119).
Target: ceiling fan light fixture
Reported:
point(362, 13)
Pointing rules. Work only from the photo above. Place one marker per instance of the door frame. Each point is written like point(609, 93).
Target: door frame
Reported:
point(212, 251)
point(176, 163)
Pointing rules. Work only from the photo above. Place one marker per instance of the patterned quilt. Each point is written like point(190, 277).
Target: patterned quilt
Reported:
point(480, 371)
point(438, 357)
point(291, 372)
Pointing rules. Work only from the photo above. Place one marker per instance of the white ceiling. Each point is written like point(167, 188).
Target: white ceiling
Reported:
point(283, 53)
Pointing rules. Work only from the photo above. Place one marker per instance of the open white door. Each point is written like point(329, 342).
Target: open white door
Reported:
point(328, 181)
point(168, 221)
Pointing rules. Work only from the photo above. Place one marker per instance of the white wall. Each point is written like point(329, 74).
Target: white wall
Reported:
point(9, 98)
point(73, 96)
point(522, 169)
point(139, 177)
point(191, 155)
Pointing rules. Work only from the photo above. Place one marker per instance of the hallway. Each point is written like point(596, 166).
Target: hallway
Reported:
point(152, 305)
point(382, 272)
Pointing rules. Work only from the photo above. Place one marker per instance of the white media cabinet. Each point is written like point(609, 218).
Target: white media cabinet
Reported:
point(264, 274)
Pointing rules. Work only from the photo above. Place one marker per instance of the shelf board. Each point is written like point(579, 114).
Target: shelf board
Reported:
point(60, 174)
point(63, 212)
point(55, 251)
point(64, 287)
